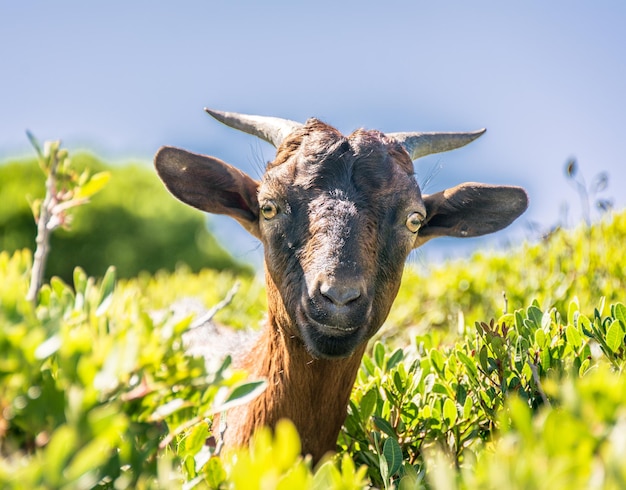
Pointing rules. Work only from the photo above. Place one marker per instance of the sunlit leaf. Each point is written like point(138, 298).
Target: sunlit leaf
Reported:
point(394, 359)
point(106, 291)
point(449, 412)
point(573, 337)
point(49, 347)
point(619, 310)
point(614, 336)
point(215, 473)
point(94, 185)
point(368, 403)
point(241, 395)
point(437, 360)
point(168, 408)
point(379, 355)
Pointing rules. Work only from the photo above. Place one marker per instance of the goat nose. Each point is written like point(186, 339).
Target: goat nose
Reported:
point(340, 294)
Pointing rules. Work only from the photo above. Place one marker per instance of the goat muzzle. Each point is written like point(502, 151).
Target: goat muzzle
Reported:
point(334, 315)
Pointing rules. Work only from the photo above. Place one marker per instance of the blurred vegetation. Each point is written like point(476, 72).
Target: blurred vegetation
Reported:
point(587, 262)
point(501, 371)
point(133, 223)
point(527, 392)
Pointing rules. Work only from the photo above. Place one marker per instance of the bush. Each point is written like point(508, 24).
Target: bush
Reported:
point(585, 263)
point(457, 397)
point(133, 223)
point(96, 393)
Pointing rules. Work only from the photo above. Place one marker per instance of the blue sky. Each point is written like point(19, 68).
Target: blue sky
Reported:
point(547, 79)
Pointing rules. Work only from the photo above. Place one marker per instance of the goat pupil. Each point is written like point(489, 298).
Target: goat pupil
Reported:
point(413, 222)
point(269, 210)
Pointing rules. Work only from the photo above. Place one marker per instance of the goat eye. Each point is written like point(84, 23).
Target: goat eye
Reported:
point(269, 209)
point(414, 222)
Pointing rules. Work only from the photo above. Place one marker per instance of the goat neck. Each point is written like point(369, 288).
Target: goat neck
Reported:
point(297, 381)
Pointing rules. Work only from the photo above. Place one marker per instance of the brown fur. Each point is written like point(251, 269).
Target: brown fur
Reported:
point(312, 393)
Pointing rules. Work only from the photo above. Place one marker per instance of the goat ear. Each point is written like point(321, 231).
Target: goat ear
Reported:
point(209, 184)
point(470, 210)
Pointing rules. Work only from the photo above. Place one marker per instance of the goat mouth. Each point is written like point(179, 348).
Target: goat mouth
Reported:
point(329, 341)
point(331, 330)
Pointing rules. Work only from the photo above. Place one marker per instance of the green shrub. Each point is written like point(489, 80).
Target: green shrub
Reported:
point(452, 395)
point(95, 392)
point(92, 388)
point(586, 263)
point(133, 223)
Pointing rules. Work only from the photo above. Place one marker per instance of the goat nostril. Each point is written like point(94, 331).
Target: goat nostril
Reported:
point(340, 294)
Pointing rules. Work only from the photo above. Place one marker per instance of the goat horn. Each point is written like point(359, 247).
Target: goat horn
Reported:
point(421, 144)
point(271, 129)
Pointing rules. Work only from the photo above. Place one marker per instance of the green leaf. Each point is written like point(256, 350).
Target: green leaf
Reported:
point(379, 355)
point(546, 358)
point(196, 439)
point(449, 412)
point(395, 358)
point(619, 311)
point(573, 337)
point(80, 281)
point(241, 395)
point(35, 144)
point(94, 185)
point(535, 315)
point(168, 409)
point(468, 407)
point(546, 320)
point(410, 478)
point(540, 338)
point(48, 347)
point(584, 367)
point(368, 366)
point(436, 359)
point(95, 453)
point(385, 426)
point(368, 404)
point(106, 291)
point(63, 443)
point(215, 473)
point(399, 382)
point(470, 364)
point(584, 325)
point(614, 336)
point(393, 455)
point(384, 469)
point(483, 357)
point(572, 311)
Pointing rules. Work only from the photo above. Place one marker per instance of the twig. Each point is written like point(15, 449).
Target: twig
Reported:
point(43, 233)
point(208, 316)
point(179, 430)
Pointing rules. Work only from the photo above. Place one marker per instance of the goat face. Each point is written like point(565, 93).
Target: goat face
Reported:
point(337, 217)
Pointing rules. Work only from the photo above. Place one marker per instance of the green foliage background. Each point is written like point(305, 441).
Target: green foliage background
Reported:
point(133, 223)
point(464, 387)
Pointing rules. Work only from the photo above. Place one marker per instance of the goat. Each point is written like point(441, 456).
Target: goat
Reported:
point(337, 216)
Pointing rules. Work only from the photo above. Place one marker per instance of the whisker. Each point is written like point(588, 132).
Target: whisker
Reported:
point(256, 159)
point(430, 175)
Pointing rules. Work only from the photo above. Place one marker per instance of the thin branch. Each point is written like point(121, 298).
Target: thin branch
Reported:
point(208, 316)
point(179, 430)
point(43, 232)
